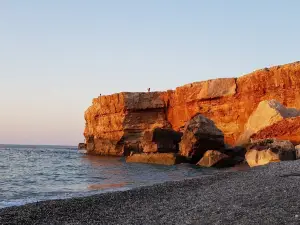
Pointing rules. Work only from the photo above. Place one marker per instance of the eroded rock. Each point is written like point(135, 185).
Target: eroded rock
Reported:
point(161, 140)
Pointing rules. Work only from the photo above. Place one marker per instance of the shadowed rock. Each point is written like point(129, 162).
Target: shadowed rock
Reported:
point(199, 135)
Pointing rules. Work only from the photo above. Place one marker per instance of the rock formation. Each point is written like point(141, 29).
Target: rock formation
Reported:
point(266, 151)
point(81, 146)
point(116, 123)
point(199, 135)
point(285, 129)
point(266, 114)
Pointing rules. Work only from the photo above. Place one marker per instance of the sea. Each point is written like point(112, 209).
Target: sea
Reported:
point(31, 173)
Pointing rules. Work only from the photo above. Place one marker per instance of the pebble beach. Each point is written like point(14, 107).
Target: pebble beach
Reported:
point(262, 195)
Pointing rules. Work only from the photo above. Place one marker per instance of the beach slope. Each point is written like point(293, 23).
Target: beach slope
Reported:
point(264, 195)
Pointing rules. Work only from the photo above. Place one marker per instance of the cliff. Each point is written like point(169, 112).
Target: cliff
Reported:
point(116, 123)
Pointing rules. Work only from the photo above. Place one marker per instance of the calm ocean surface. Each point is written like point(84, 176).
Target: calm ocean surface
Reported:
point(35, 173)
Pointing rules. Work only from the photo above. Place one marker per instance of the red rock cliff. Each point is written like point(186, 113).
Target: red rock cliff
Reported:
point(119, 120)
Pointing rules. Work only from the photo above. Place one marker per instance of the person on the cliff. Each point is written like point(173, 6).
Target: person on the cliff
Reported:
point(148, 89)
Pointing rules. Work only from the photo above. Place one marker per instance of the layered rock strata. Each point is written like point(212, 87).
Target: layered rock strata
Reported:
point(116, 124)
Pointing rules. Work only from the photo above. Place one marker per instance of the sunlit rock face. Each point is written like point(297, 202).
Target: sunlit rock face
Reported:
point(115, 124)
point(285, 129)
point(267, 113)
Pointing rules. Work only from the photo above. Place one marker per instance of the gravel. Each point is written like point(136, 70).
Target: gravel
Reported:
point(262, 195)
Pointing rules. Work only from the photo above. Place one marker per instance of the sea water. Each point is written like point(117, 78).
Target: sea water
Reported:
point(36, 173)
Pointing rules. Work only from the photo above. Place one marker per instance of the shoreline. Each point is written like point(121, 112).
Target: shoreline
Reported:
point(262, 195)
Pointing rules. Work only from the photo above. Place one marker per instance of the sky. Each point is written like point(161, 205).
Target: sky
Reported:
point(57, 55)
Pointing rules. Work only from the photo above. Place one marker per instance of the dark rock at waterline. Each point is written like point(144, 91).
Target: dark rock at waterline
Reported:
point(81, 146)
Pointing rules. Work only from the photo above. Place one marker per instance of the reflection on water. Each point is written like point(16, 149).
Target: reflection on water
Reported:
point(37, 173)
point(105, 186)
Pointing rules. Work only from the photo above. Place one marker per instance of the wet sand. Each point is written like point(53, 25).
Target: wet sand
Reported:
point(262, 195)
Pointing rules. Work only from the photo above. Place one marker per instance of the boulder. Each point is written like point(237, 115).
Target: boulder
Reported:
point(199, 135)
point(156, 158)
point(266, 151)
point(266, 114)
point(285, 129)
point(161, 140)
point(213, 158)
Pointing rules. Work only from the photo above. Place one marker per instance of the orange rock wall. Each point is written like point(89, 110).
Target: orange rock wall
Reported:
point(228, 102)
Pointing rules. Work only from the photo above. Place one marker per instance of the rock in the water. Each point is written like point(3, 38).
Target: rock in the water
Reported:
point(266, 114)
point(161, 140)
point(266, 151)
point(199, 135)
point(212, 158)
point(81, 146)
point(156, 158)
point(286, 129)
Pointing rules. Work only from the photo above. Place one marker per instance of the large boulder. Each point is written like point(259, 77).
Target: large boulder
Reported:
point(156, 158)
point(199, 135)
point(266, 151)
point(213, 158)
point(286, 129)
point(266, 114)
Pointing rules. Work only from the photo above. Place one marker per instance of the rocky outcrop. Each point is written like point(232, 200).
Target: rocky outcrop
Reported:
point(266, 114)
point(81, 146)
point(266, 151)
point(213, 158)
point(156, 158)
point(285, 129)
point(199, 135)
point(117, 122)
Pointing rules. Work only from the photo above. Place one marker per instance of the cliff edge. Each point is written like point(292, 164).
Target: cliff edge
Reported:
point(115, 124)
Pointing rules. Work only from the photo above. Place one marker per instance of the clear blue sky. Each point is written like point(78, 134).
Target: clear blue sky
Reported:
point(56, 55)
